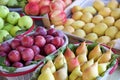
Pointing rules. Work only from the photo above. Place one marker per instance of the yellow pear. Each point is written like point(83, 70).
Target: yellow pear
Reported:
point(87, 64)
point(82, 58)
point(50, 65)
point(61, 74)
point(82, 49)
point(105, 57)
point(95, 53)
point(59, 61)
point(113, 4)
point(69, 22)
point(46, 75)
point(87, 17)
point(76, 8)
point(79, 78)
point(98, 4)
point(91, 73)
point(75, 73)
point(102, 67)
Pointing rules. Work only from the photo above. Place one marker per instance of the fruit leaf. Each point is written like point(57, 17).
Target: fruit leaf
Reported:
point(49, 57)
point(2, 60)
point(62, 49)
point(72, 47)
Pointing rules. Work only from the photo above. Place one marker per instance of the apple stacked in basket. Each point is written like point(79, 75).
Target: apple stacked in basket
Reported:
point(11, 23)
point(21, 52)
point(78, 62)
point(55, 9)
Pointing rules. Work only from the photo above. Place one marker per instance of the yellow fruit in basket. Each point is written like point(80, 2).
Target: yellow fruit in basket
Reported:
point(61, 27)
point(46, 75)
point(98, 4)
point(77, 15)
point(88, 27)
point(117, 35)
point(78, 24)
point(69, 22)
point(117, 24)
point(111, 32)
point(91, 72)
point(109, 20)
point(105, 11)
point(103, 39)
point(90, 9)
point(87, 17)
point(91, 36)
point(113, 4)
point(100, 29)
point(69, 29)
point(115, 13)
point(95, 53)
point(82, 58)
point(80, 33)
point(102, 67)
point(97, 19)
point(76, 8)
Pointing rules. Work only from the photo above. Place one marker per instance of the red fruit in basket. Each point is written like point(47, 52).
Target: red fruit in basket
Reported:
point(59, 34)
point(49, 48)
point(44, 10)
point(44, 3)
point(27, 54)
point(3, 54)
point(41, 31)
point(15, 43)
point(5, 47)
point(51, 31)
point(7, 62)
point(58, 41)
point(49, 38)
point(37, 1)
point(18, 64)
point(27, 41)
point(20, 48)
point(40, 41)
point(28, 63)
point(14, 56)
point(32, 8)
point(36, 49)
point(38, 57)
point(67, 2)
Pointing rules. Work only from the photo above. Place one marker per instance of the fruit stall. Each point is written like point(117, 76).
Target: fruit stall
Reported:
point(59, 39)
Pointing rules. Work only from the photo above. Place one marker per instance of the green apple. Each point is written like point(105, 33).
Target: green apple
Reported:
point(14, 30)
point(7, 27)
point(3, 34)
point(13, 18)
point(1, 23)
point(25, 22)
point(3, 2)
point(3, 11)
point(12, 3)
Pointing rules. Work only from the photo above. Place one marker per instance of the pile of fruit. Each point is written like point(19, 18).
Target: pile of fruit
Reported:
point(82, 62)
point(13, 3)
point(23, 51)
point(99, 22)
point(11, 23)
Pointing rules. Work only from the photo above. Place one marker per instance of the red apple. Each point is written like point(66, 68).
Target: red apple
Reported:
point(44, 3)
point(7, 62)
point(36, 49)
point(27, 54)
point(58, 41)
point(59, 34)
point(40, 31)
point(44, 10)
point(27, 41)
point(49, 48)
point(49, 38)
point(40, 41)
point(20, 48)
point(3, 54)
point(5, 47)
point(32, 8)
point(15, 43)
point(14, 56)
point(17, 64)
point(38, 57)
point(51, 31)
point(37, 1)
point(28, 63)
point(67, 2)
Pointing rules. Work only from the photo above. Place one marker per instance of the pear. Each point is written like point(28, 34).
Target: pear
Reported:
point(50, 65)
point(82, 59)
point(68, 54)
point(79, 78)
point(75, 73)
point(102, 67)
point(87, 64)
point(61, 74)
point(46, 75)
point(82, 49)
point(91, 73)
point(113, 4)
point(95, 53)
point(105, 57)
point(59, 61)
point(72, 64)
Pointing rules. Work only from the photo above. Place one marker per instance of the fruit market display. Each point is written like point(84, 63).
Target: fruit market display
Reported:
point(21, 52)
point(77, 62)
point(99, 22)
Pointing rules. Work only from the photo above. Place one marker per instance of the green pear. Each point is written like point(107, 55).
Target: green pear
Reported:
point(102, 67)
point(3, 11)
point(50, 65)
point(3, 2)
point(14, 30)
point(3, 34)
point(75, 73)
point(12, 3)
point(61, 74)
point(46, 75)
point(1, 23)
point(87, 64)
point(7, 27)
